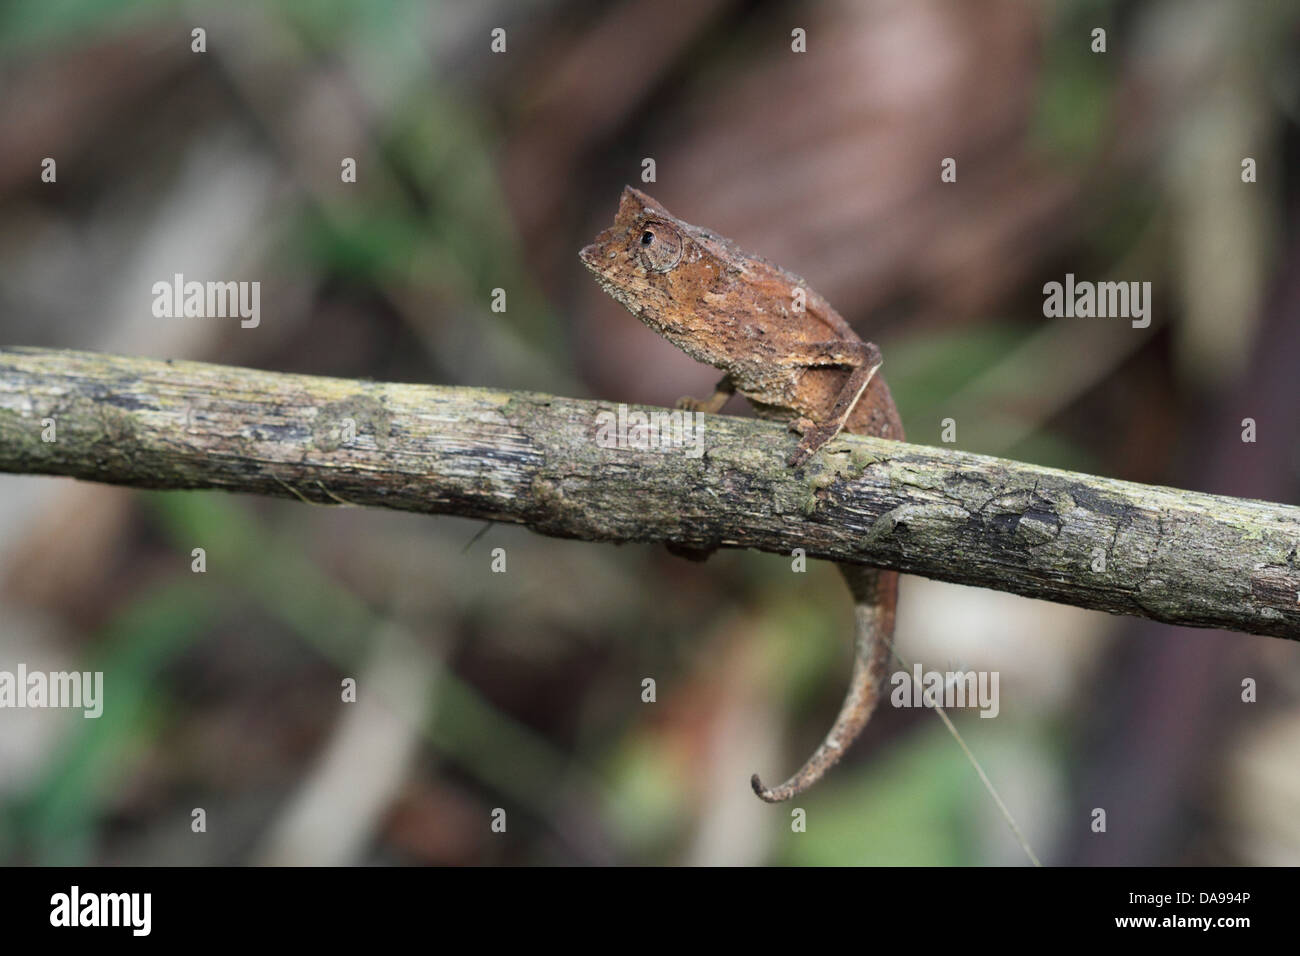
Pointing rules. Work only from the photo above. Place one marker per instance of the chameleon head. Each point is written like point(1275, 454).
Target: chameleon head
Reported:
point(633, 258)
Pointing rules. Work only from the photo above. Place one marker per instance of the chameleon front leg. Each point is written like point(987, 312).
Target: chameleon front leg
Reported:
point(713, 404)
point(865, 360)
point(875, 599)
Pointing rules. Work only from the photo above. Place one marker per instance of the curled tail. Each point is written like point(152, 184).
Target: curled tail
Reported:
point(875, 598)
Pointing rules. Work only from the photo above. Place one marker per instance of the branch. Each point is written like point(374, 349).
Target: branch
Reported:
point(1175, 556)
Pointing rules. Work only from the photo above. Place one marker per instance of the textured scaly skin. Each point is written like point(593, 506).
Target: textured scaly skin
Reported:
point(738, 312)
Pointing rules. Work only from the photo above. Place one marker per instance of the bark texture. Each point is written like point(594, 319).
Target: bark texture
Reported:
point(1177, 556)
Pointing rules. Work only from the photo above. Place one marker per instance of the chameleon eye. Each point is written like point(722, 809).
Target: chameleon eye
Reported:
point(660, 247)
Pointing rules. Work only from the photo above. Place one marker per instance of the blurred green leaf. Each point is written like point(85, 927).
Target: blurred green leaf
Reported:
point(498, 750)
point(59, 814)
point(1075, 95)
point(925, 371)
point(35, 23)
point(906, 809)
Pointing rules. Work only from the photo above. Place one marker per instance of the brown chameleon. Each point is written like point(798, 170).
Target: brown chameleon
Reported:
point(795, 358)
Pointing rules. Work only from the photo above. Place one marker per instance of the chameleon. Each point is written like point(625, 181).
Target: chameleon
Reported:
point(784, 349)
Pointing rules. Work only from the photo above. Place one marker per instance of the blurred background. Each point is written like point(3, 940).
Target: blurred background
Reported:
point(522, 691)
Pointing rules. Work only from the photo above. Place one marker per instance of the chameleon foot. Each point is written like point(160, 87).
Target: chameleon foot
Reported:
point(713, 404)
point(814, 437)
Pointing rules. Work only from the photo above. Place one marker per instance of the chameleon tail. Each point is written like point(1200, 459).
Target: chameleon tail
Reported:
point(875, 598)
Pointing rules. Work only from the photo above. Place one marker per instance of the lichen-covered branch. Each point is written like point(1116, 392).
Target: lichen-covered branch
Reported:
point(542, 461)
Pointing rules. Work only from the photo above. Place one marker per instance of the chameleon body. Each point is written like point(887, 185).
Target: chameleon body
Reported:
point(785, 349)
